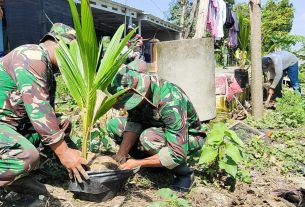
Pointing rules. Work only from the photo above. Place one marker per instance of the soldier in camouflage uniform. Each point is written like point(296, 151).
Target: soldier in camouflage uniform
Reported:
point(27, 116)
point(163, 120)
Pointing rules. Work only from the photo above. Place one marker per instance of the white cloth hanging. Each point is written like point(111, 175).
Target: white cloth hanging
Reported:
point(221, 19)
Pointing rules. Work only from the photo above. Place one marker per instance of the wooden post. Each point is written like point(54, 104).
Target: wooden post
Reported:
point(191, 20)
point(256, 54)
point(202, 19)
point(183, 3)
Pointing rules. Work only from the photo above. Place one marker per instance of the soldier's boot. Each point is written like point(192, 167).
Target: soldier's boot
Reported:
point(27, 185)
point(184, 178)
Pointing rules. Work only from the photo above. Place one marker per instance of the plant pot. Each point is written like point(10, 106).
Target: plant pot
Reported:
point(241, 77)
point(101, 186)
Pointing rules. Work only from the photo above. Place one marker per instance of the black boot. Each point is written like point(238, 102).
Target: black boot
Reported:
point(184, 178)
point(28, 185)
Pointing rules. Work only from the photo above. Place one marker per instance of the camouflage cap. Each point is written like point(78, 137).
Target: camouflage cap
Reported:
point(60, 30)
point(135, 77)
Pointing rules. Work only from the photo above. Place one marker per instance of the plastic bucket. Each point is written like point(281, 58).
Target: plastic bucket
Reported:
point(101, 186)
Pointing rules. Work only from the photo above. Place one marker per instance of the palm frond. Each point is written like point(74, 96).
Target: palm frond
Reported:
point(107, 104)
point(79, 63)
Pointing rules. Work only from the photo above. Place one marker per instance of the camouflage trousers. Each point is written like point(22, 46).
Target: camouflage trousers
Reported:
point(151, 139)
point(18, 156)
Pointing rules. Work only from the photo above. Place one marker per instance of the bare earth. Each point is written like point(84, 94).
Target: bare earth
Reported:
point(141, 190)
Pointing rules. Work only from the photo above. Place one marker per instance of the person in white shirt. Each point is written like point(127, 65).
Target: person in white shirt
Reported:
point(278, 64)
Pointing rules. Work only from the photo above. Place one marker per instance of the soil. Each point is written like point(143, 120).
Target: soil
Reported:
point(99, 162)
point(141, 190)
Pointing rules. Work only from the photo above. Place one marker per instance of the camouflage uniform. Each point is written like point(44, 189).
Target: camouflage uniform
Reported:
point(167, 123)
point(27, 116)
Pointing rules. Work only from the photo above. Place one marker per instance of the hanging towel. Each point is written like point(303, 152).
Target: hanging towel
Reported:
point(220, 19)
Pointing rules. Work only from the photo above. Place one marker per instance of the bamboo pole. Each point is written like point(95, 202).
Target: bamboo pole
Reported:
point(183, 3)
point(202, 19)
point(256, 54)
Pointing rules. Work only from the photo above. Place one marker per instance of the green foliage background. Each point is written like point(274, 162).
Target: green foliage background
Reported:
point(277, 19)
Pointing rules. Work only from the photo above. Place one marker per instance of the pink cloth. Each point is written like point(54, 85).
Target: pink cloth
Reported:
point(216, 18)
point(221, 84)
point(227, 87)
point(233, 89)
point(211, 21)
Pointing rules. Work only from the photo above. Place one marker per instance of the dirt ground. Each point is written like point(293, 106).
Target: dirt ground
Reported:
point(141, 190)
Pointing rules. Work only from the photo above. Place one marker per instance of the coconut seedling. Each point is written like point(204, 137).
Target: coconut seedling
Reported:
point(85, 73)
point(243, 38)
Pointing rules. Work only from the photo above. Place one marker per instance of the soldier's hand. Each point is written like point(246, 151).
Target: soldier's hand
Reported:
point(119, 158)
point(130, 164)
point(71, 159)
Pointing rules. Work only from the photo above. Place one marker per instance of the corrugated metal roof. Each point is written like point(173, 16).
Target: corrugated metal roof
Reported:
point(118, 8)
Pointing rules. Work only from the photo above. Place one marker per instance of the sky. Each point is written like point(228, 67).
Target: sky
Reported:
point(160, 7)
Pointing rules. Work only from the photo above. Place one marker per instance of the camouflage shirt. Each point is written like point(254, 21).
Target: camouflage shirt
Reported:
point(171, 110)
point(27, 91)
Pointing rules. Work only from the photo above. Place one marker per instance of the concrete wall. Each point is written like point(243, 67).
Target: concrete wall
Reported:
point(190, 65)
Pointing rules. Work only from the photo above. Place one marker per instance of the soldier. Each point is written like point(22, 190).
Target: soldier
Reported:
point(27, 94)
point(163, 120)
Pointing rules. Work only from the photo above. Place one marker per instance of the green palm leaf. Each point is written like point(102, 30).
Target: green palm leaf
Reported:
point(107, 104)
point(78, 65)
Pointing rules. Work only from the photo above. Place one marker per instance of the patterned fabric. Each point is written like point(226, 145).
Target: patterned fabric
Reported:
point(169, 113)
point(63, 31)
point(151, 139)
point(27, 93)
point(27, 117)
point(18, 156)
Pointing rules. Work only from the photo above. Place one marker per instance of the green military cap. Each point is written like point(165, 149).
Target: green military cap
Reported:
point(60, 30)
point(135, 77)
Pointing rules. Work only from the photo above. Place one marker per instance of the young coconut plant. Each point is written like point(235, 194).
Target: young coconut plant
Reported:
point(85, 73)
point(243, 38)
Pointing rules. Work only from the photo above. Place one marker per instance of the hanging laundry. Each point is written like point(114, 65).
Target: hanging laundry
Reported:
point(233, 32)
point(229, 18)
point(211, 21)
point(220, 19)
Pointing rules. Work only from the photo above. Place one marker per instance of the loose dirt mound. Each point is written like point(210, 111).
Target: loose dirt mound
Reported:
point(98, 162)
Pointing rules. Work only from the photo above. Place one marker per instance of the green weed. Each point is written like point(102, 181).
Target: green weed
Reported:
point(289, 112)
point(224, 151)
point(169, 199)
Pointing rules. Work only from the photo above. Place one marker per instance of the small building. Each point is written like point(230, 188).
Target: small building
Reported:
point(26, 21)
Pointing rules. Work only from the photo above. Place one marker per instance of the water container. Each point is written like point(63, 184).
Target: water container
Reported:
point(190, 64)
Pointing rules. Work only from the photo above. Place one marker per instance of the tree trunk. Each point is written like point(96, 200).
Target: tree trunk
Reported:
point(256, 54)
point(191, 20)
point(183, 3)
point(202, 19)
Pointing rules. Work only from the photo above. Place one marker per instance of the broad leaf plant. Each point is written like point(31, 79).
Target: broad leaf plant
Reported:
point(224, 150)
point(85, 72)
